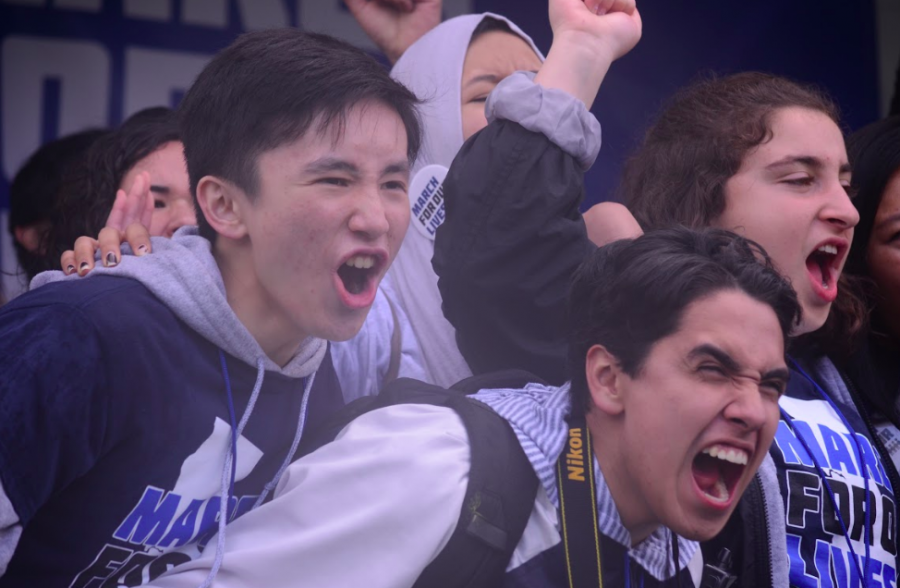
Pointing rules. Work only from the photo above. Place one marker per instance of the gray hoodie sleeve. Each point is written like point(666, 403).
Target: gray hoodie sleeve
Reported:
point(560, 117)
point(10, 530)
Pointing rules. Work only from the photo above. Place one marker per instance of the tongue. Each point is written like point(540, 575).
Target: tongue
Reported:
point(815, 269)
point(706, 472)
point(354, 279)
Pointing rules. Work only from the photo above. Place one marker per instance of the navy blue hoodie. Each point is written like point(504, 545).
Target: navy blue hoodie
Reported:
point(116, 418)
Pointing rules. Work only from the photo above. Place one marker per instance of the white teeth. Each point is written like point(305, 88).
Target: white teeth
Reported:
point(718, 492)
point(721, 491)
point(730, 454)
point(360, 261)
point(831, 249)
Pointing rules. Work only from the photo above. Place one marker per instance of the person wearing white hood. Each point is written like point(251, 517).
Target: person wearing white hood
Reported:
point(152, 399)
point(452, 68)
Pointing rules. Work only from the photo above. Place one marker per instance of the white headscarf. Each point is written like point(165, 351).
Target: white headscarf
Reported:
point(432, 68)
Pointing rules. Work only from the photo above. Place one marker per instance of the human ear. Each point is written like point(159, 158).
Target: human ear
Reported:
point(604, 380)
point(222, 202)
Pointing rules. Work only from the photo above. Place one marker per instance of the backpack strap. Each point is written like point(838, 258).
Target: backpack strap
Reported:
point(502, 484)
point(498, 503)
point(396, 346)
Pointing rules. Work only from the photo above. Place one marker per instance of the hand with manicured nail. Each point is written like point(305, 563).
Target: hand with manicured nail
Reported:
point(128, 221)
point(134, 206)
point(394, 25)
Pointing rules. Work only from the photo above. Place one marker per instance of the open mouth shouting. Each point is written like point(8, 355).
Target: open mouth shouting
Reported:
point(824, 267)
point(717, 470)
point(357, 277)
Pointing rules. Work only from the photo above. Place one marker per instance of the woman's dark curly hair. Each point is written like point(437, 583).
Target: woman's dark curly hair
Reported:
point(678, 175)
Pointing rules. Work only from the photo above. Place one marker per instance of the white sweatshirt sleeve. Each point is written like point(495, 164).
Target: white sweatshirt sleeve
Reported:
point(363, 362)
point(373, 508)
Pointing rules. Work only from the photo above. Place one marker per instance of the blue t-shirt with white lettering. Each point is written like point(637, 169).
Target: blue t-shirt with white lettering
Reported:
point(114, 423)
point(818, 549)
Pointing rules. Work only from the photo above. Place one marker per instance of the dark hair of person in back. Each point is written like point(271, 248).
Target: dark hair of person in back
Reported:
point(874, 154)
point(36, 187)
point(698, 142)
point(630, 294)
point(90, 188)
point(266, 90)
point(487, 25)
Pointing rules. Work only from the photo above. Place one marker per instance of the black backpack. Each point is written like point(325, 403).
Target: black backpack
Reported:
point(502, 483)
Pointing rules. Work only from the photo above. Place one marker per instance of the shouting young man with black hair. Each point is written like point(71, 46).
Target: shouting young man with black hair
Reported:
point(124, 438)
point(676, 343)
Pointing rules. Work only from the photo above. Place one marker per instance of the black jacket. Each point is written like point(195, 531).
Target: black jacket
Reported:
point(499, 231)
point(505, 255)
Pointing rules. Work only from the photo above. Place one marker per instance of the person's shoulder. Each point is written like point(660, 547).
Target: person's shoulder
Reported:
point(404, 424)
point(85, 294)
point(104, 303)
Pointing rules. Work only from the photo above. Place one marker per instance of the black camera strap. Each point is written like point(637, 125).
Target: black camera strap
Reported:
point(578, 507)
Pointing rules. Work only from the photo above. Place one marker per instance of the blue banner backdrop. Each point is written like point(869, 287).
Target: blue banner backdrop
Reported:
point(66, 65)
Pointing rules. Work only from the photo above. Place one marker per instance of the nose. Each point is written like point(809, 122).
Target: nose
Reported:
point(182, 214)
point(839, 210)
point(369, 217)
point(748, 407)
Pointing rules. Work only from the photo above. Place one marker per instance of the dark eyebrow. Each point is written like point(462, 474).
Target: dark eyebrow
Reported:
point(401, 167)
point(719, 355)
point(483, 78)
point(330, 164)
point(806, 160)
point(160, 189)
point(729, 363)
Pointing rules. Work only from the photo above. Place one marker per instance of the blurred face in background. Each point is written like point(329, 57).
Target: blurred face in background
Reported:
point(491, 57)
point(173, 206)
point(883, 254)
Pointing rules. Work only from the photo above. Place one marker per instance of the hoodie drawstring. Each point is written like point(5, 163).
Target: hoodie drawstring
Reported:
point(231, 462)
point(301, 424)
point(230, 465)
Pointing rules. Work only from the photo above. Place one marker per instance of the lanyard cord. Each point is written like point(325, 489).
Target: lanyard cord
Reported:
point(233, 418)
point(862, 466)
point(628, 571)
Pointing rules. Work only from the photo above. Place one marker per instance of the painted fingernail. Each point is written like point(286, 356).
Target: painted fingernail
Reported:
point(69, 269)
point(111, 260)
point(142, 249)
point(84, 265)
